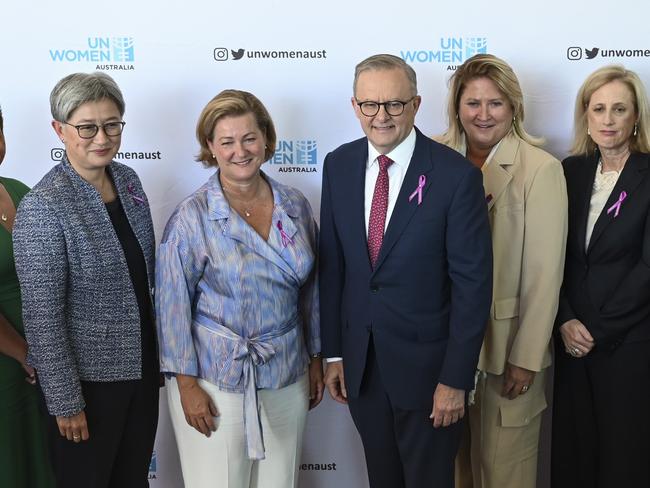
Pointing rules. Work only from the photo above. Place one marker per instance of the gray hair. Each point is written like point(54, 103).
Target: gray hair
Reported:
point(386, 62)
point(78, 88)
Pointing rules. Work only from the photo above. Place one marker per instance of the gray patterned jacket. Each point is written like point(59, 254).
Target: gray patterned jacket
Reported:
point(80, 311)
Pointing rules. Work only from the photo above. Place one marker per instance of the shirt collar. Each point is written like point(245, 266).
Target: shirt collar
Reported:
point(401, 155)
point(463, 149)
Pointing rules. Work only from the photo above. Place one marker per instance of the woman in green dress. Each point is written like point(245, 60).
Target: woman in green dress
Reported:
point(23, 455)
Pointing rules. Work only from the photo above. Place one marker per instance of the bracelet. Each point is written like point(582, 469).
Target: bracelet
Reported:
point(315, 356)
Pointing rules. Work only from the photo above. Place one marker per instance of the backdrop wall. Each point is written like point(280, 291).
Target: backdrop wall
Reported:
point(298, 57)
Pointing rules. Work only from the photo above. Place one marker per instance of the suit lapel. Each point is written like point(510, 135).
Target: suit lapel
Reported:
point(583, 187)
point(497, 175)
point(421, 164)
point(633, 173)
point(357, 192)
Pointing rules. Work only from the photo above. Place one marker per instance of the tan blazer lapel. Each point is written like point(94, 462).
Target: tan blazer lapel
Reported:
point(496, 175)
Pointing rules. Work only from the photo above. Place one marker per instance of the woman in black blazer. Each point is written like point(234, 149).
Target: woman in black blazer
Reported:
point(601, 422)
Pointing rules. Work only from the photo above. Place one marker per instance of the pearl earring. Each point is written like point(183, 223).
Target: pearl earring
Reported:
point(214, 157)
point(635, 130)
point(588, 131)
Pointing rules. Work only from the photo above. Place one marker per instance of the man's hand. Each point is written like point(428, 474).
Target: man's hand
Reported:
point(448, 405)
point(516, 381)
point(335, 381)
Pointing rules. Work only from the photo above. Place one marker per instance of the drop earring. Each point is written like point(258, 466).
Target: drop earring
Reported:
point(635, 130)
point(588, 131)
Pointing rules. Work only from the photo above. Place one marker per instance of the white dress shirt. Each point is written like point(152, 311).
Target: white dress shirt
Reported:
point(401, 157)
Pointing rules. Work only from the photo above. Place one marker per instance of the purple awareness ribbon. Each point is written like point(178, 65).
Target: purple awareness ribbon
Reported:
point(136, 198)
point(418, 191)
point(286, 238)
point(617, 206)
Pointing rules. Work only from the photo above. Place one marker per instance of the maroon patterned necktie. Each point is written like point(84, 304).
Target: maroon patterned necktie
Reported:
point(378, 210)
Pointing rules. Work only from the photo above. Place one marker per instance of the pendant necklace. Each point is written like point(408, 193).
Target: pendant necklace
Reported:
point(248, 206)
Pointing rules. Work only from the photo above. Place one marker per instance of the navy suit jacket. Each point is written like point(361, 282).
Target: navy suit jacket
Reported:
point(426, 303)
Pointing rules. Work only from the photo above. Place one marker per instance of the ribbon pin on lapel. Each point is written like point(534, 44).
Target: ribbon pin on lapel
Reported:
point(286, 238)
point(136, 198)
point(418, 191)
point(617, 206)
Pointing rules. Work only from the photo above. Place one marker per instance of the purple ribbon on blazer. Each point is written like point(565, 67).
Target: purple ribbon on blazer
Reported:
point(247, 353)
point(617, 206)
point(137, 199)
point(418, 191)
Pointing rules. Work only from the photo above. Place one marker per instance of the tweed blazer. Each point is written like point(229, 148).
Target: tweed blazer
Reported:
point(79, 308)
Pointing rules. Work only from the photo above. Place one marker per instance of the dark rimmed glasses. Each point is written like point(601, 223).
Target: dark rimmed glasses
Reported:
point(88, 131)
point(392, 107)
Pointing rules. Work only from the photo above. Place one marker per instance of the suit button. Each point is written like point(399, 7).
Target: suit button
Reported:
point(374, 288)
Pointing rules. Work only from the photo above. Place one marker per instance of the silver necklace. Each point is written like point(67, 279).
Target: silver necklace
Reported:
point(247, 207)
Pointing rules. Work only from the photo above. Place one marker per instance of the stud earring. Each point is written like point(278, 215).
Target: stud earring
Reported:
point(214, 157)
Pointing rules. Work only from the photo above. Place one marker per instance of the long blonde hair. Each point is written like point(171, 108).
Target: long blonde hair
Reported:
point(583, 144)
point(501, 74)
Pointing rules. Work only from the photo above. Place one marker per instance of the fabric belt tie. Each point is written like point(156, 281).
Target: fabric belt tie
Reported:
point(249, 352)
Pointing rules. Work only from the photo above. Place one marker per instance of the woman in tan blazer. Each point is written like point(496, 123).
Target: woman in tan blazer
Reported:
point(525, 193)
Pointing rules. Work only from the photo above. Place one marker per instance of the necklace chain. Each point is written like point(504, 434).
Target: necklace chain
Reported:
point(3, 214)
point(246, 207)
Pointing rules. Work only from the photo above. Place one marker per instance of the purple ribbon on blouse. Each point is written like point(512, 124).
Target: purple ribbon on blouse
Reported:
point(418, 191)
point(616, 208)
point(286, 238)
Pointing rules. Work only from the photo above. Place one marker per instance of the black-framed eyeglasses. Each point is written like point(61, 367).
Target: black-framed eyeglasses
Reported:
point(392, 107)
point(88, 131)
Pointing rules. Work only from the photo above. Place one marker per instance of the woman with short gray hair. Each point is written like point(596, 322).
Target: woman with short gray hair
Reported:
point(84, 249)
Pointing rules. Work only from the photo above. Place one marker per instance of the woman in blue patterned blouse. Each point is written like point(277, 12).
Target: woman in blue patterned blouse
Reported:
point(237, 306)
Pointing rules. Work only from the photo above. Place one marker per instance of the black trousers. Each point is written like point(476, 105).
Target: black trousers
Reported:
point(402, 448)
point(122, 418)
point(601, 418)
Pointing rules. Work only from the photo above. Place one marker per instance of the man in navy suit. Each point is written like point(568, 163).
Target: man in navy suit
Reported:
point(405, 282)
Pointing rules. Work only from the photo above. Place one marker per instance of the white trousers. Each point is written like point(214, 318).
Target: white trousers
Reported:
point(220, 461)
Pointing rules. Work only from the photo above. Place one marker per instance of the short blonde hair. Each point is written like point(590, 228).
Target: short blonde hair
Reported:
point(583, 144)
point(501, 74)
point(233, 103)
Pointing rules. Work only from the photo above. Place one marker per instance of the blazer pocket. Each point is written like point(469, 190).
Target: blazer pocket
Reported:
point(521, 413)
point(506, 308)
